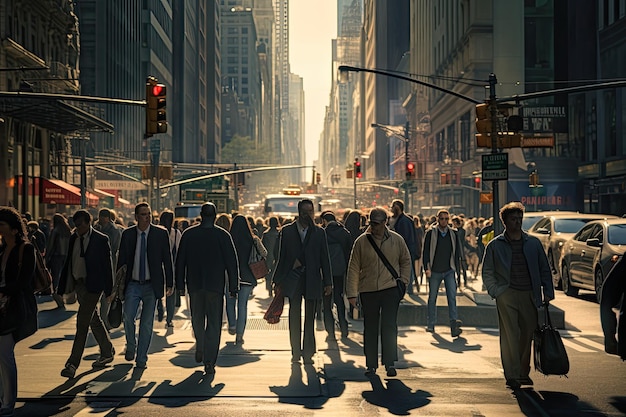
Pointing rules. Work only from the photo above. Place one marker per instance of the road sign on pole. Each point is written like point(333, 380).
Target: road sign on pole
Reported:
point(495, 166)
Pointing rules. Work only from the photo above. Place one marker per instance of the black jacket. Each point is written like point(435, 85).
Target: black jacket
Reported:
point(613, 292)
point(339, 247)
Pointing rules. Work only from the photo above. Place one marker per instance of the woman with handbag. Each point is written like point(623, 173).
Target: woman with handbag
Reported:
point(18, 307)
point(249, 247)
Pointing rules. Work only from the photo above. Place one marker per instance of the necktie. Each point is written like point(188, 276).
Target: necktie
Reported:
point(142, 259)
point(82, 246)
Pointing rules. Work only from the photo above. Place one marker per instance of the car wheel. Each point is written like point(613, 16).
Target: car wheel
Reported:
point(598, 281)
point(555, 274)
point(568, 289)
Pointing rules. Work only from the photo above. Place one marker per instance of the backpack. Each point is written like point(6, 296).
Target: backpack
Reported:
point(42, 278)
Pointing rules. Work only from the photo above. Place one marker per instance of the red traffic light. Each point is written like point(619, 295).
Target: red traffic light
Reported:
point(158, 90)
point(357, 169)
point(410, 170)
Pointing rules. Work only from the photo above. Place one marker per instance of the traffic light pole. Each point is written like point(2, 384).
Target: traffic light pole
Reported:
point(406, 164)
point(354, 181)
point(493, 107)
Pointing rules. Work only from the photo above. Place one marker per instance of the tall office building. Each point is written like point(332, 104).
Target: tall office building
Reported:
point(282, 69)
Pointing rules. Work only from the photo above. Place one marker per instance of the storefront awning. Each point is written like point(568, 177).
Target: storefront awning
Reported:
point(59, 192)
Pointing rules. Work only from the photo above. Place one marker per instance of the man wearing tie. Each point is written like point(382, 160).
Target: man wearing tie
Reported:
point(145, 250)
point(87, 270)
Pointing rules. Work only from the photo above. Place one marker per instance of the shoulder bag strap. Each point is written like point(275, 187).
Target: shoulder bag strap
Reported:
point(382, 257)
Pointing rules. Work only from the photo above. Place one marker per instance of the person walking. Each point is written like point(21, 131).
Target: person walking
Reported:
point(402, 224)
point(442, 256)
point(105, 225)
point(245, 242)
point(166, 219)
point(303, 271)
point(516, 273)
point(17, 266)
point(376, 285)
point(88, 270)
point(56, 252)
point(270, 241)
point(419, 246)
point(206, 258)
point(145, 250)
point(339, 246)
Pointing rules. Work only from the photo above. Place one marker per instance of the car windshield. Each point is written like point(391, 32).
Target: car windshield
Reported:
point(617, 234)
point(529, 221)
point(569, 225)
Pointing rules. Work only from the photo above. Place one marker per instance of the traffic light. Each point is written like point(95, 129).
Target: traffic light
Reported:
point(156, 118)
point(477, 182)
point(410, 170)
point(357, 169)
point(318, 178)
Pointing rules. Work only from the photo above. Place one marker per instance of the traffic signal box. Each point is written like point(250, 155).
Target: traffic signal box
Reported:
point(156, 117)
point(410, 170)
point(357, 169)
point(484, 127)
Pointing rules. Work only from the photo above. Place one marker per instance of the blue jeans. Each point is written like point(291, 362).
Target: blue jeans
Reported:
point(137, 293)
point(434, 283)
point(239, 319)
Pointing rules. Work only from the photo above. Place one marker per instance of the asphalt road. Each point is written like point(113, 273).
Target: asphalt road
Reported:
point(437, 375)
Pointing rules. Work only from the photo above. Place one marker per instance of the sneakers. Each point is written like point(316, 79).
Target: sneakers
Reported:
point(455, 328)
point(69, 371)
point(391, 371)
point(103, 360)
point(370, 371)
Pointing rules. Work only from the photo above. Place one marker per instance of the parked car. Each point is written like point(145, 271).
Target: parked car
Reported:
point(553, 230)
point(532, 217)
point(591, 253)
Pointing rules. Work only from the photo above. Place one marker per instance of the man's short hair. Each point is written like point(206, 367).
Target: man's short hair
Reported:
point(140, 205)
point(440, 212)
point(399, 203)
point(82, 215)
point(105, 212)
point(510, 208)
point(329, 216)
point(208, 210)
point(303, 202)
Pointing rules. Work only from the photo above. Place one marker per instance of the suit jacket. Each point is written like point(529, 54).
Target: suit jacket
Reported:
point(159, 257)
point(318, 272)
point(206, 257)
point(98, 263)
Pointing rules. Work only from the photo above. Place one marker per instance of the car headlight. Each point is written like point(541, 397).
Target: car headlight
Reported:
point(614, 258)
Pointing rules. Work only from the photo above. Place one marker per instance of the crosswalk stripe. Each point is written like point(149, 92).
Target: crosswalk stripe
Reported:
point(571, 345)
point(590, 343)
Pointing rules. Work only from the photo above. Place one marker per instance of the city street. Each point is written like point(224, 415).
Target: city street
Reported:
point(437, 376)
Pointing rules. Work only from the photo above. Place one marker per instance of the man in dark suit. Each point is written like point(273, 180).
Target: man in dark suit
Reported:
point(145, 250)
point(303, 270)
point(88, 270)
point(206, 256)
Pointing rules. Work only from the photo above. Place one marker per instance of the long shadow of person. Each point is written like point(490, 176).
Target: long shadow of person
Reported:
point(553, 403)
point(233, 354)
point(298, 392)
point(196, 387)
point(396, 397)
point(457, 345)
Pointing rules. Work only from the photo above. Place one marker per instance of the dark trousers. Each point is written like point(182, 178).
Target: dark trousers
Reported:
point(300, 347)
point(86, 318)
point(517, 319)
point(337, 298)
point(206, 320)
point(380, 314)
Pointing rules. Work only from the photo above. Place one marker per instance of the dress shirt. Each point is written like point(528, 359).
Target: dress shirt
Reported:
point(138, 255)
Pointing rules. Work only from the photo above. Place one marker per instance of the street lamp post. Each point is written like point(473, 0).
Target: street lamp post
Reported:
point(404, 136)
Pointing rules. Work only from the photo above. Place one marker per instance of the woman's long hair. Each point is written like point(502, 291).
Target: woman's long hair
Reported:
point(61, 225)
point(240, 230)
point(11, 217)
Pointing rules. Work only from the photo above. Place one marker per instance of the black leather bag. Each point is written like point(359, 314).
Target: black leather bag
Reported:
point(549, 352)
point(114, 315)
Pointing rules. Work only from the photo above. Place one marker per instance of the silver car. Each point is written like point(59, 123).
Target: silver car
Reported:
point(590, 255)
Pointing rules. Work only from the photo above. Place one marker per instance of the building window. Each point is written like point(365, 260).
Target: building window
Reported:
point(244, 80)
point(244, 90)
point(244, 30)
point(244, 70)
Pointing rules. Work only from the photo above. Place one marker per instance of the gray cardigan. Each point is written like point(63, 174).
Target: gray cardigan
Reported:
point(497, 267)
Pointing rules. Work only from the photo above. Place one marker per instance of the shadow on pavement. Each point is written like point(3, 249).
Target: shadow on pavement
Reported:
point(50, 318)
point(396, 396)
point(298, 392)
point(553, 403)
point(235, 355)
point(457, 345)
point(198, 385)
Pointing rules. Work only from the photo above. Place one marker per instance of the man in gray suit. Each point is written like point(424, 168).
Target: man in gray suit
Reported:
point(206, 256)
point(145, 250)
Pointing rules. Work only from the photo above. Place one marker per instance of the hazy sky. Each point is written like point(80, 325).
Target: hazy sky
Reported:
point(312, 26)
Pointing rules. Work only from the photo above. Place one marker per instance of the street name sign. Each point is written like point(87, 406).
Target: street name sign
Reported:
point(495, 166)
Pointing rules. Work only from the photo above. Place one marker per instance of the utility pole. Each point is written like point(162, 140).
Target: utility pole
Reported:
point(493, 107)
point(407, 182)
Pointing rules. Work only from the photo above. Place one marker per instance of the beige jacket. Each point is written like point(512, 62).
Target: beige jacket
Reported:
point(367, 273)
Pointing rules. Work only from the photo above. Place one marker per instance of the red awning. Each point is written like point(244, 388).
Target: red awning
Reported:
point(60, 192)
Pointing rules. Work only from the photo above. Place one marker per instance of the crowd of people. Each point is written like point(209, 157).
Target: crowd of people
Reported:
point(319, 261)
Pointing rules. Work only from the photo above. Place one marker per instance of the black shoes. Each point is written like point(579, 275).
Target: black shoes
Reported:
point(430, 329)
point(391, 371)
point(129, 355)
point(370, 371)
point(69, 371)
point(455, 328)
point(169, 324)
point(103, 360)
point(209, 368)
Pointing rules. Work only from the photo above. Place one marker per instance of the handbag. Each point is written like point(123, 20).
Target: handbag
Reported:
point(549, 352)
point(256, 262)
point(401, 286)
point(114, 316)
point(275, 309)
point(42, 278)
